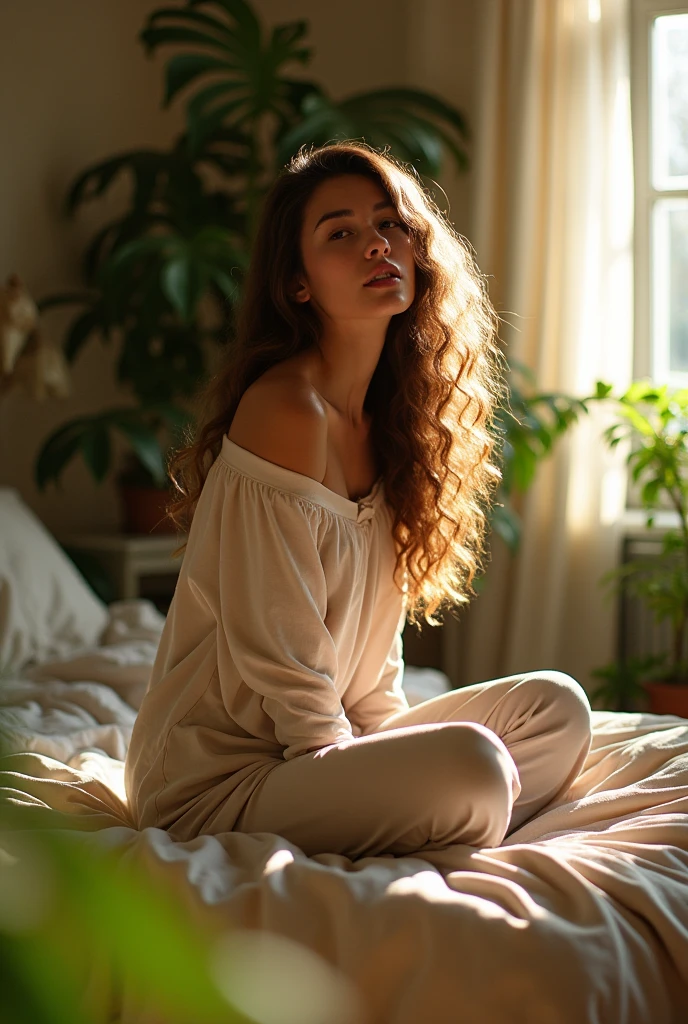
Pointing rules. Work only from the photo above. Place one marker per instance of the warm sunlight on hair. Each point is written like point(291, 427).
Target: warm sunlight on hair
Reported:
point(432, 397)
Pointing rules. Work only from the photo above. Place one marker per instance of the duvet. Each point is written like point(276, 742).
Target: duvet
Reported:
point(580, 917)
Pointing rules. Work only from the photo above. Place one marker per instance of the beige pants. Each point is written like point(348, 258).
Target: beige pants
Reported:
point(467, 766)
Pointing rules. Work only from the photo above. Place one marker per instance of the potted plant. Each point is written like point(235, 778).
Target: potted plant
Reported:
point(149, 429)
point(622, 687)
point(655, 420)
point(163, 279)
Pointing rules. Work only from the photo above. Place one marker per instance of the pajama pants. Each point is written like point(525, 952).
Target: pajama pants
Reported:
point(468, 766)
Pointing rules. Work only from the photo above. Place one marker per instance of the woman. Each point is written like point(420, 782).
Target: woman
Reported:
point(337, 485)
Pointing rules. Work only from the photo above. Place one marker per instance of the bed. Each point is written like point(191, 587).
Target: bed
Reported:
point(580, 916)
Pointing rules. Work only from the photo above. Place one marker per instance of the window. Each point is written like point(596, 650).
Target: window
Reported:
point(659, 105)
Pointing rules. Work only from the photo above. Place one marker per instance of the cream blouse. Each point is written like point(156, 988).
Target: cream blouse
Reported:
point(284, 636)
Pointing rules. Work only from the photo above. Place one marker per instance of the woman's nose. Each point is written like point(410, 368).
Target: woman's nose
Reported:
point(378, 243)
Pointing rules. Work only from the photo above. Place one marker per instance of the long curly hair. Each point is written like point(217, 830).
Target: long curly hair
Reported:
point(432, 396)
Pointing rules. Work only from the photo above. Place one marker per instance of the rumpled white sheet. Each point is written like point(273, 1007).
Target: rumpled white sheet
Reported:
point(580, 917)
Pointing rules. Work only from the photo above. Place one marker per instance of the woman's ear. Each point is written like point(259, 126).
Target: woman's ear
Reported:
point(300, 292)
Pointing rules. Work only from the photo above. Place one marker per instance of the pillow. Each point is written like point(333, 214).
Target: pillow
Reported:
point(46, 607)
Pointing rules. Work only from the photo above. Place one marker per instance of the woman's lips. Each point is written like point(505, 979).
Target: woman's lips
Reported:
point(384, 282)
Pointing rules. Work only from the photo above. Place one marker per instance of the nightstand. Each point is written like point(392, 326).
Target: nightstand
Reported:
point(130, 558)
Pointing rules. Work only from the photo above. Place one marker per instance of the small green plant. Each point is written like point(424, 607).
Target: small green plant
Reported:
point(655, 421)
point(621, 688)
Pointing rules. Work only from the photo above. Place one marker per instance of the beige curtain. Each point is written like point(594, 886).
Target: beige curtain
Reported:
point(552, 227)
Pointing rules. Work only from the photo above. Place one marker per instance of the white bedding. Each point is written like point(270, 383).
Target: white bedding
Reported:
point(581, 916)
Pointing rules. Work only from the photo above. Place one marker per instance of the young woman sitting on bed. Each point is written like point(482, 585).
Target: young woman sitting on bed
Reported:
point(338, 484)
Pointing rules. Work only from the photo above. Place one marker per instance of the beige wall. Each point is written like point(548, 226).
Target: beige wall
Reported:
point(75, 88)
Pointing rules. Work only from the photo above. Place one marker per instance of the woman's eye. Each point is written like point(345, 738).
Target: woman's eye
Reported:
point(389, 220)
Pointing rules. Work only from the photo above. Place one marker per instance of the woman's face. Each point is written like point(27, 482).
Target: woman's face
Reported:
point(340, 253)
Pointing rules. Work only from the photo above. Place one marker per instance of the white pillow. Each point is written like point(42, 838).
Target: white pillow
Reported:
point(420, 683)
point(46, 607)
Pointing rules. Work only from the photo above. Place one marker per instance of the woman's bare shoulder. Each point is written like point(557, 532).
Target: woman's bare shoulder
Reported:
point(281, 418)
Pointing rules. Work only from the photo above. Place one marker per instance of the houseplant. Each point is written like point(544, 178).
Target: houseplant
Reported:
point(163, 279)
point(655, 420)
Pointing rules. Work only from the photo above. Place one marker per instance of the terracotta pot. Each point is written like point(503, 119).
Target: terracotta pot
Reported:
point(667, 698)
point(144, 510)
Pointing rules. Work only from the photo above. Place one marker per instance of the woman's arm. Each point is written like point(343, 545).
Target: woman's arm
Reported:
point(273, 597)
point(387, 697)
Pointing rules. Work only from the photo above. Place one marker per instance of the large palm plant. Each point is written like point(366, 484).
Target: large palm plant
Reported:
point(183, 241)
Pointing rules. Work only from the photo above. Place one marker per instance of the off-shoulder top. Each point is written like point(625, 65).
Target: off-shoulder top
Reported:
point(284, 636)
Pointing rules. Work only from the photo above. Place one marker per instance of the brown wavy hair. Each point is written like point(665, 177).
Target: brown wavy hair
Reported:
point(432, 396)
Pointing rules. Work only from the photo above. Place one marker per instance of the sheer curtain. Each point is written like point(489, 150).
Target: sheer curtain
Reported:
point(552, 227)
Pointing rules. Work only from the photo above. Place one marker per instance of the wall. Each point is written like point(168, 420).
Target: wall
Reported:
point(75, 88)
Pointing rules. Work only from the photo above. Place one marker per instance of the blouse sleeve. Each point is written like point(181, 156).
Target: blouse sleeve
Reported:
point(273, 603)
point(387, 697)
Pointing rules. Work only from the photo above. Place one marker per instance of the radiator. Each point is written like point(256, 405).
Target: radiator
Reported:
point(638, 633)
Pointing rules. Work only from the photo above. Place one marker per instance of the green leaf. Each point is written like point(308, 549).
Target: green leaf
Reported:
point(427, 101)
point(117, 924)
point(57, 450)
point(183, 282)
point(202, 128)
point(191, 17)
point(152, 37)
point(247, 22)
point(425, 137)
point(195, 109)
point(507, 524)
point(418, 123)
point(185, 67)
point(63, 299)
point(642, 391)
point(603, 390)
point(175, 417)
point(640, 423)
point(282, 45)
point(146, 446)
point(79, 333)
point(37, 985)
point(225, 283)
point(156, 245)
point(317, 126)
point(413, 141)
point(94, 181)
point(651, 490)
point(95, 447)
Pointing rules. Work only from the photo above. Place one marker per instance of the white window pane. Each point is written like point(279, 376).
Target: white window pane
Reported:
point(670, 101)
point(670, 291)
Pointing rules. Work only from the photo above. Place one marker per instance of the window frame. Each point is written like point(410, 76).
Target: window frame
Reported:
point(643, 13)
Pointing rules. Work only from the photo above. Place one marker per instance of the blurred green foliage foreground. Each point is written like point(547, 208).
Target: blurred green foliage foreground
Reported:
point(86, 931)
point(76, 924)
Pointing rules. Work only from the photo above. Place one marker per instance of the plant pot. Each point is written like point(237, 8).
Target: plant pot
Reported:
point(144, 510)
point(667, 698)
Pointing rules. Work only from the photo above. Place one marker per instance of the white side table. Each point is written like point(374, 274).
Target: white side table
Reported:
point(129, 557)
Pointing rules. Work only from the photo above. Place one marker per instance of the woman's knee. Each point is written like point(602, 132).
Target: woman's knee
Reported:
point(566, 709)
point(480, 759)
point(561, 691)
